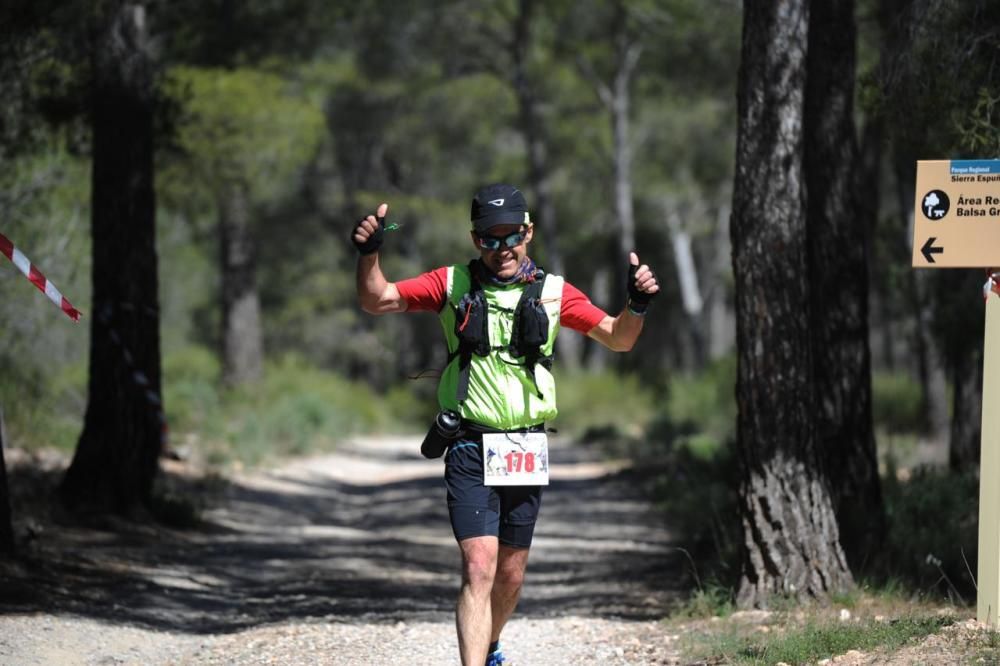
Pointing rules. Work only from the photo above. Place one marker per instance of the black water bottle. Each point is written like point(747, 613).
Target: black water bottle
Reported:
point(443, 432)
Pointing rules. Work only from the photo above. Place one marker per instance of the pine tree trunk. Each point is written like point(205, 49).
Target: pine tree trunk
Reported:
point(791, 539)
point(627, 58)
point(869, 193)
point(838, 278)
point(116, 458)
point(690, 288)
point(242, 345)
point(616, 98)
point(623, 167)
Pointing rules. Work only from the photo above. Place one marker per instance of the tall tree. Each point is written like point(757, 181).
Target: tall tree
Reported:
point(242, 339)
point(228, 38)
point(613, 87)
point(244, 133)
point(616, 95)
point(838, 280)
point(791, 539)
point(116, 458)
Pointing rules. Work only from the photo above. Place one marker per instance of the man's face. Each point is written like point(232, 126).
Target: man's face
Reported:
point(504, 261)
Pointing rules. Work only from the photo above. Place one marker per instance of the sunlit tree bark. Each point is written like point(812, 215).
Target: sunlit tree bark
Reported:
point(791, 540)
point(838, 280)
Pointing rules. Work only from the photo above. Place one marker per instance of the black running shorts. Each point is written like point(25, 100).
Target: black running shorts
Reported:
point(506, 512)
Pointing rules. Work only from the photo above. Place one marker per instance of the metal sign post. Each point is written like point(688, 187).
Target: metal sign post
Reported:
point(956, 223)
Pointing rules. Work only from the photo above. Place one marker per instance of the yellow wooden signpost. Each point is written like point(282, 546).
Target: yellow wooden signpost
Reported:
point(988, 574)
point(956, 223)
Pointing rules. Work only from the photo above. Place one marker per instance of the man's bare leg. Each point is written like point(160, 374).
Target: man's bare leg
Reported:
point(473, 616)
point(511, 563)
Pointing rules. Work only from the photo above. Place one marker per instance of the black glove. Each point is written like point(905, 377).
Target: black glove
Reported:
point(374, 242)
point(638, 300)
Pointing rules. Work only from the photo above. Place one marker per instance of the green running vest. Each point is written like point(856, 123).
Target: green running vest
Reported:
point(501, 393)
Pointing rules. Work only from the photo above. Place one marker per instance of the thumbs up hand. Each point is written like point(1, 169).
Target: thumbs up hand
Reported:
point(368, 234)
point(642, 285)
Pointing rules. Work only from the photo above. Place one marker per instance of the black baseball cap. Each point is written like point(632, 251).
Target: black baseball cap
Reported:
point(498, 204)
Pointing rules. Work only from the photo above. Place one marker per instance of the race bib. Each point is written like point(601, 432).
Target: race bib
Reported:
point(516, 459)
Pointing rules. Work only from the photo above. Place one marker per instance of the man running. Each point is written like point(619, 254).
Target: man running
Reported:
point(500, 314)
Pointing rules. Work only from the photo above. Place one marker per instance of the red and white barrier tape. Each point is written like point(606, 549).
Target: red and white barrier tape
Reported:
point(35, 276)
point(138, 377)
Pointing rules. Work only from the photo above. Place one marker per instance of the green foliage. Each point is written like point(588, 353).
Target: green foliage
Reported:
point(933, 530)
point(713, 600)
point(43, 73)
point(686, 447)
point(940, 79)
point(897, 403)
point(35, 418)
point(187, 275)
point(698, 475)
point(820, 640)
point(408, 407)
point(296, 410)
point(702, 407)
point(43, 198)
point(980, 129)
point(190, 388)
point(698, 493)
point(242, 126)
point(594, 402)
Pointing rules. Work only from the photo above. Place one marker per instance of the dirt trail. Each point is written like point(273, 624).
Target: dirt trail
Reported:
point(347, 559)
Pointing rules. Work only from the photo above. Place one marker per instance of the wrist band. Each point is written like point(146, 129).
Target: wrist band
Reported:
point(631, 307)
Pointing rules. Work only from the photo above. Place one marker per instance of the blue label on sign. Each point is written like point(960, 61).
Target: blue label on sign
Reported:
point(970, 167)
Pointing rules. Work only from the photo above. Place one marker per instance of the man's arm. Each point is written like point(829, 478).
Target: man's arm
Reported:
point(620, 333)
point(376, 294)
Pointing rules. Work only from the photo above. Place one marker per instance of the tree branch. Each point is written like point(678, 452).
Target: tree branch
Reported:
point(586, 69)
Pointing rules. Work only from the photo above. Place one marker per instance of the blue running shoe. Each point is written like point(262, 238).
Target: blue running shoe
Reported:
point(495, 658)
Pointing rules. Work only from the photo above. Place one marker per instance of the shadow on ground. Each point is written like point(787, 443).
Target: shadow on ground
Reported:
point(304, 543)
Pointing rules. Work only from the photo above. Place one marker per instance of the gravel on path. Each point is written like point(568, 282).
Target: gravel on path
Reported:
point(347, 558)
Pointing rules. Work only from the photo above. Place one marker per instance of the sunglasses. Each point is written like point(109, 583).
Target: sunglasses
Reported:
point(494, 242)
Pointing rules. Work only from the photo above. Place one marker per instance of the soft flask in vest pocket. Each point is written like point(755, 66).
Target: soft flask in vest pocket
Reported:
point(531, 327)
point(470, 323)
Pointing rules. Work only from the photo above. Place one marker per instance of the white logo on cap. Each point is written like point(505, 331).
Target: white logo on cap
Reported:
point(496, 202)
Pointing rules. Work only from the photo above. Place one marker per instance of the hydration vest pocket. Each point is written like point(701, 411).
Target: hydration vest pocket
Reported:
point(470, 323)
point(529, 332)
point(531, 328)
